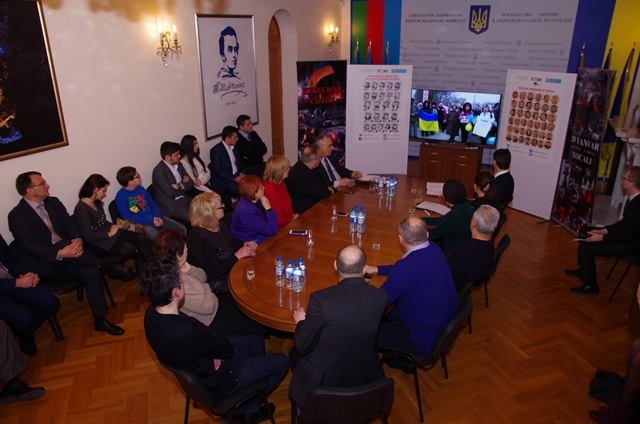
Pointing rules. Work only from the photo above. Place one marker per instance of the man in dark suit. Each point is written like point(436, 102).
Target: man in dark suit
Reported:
point(503, 181)
point(171, 183)
point(619, 239)
point(305, 184)
point(333, 173)
point(335, 340)
point(49, 244)
point(23, 304)
point(225, 167)
point(250, 148)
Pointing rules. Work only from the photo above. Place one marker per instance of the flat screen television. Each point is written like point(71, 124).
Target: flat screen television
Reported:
point(454, 116)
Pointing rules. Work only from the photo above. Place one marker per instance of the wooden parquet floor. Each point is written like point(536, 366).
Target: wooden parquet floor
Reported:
point(529, 360)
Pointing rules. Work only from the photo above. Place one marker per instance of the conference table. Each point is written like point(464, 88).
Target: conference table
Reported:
point(273, 306)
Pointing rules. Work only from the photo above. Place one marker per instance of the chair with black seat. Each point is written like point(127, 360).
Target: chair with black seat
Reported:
point(114, 212)
point(221, 407)
point(631, 260)
point(504, 242)
point(411, 361)
point(353, 405)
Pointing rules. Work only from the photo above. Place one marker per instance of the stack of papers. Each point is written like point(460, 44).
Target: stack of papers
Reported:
point(434, 189)
point(434, 207)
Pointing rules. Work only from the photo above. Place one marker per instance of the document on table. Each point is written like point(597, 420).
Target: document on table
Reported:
point(434, 189)
point(434, 207)
point(368, 177)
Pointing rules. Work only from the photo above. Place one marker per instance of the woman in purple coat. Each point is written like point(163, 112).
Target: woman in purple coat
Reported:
point(253, 218)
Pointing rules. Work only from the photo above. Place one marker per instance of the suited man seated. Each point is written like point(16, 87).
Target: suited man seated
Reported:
point(619, 239)
point(250, 148)
point(305, 184)
point(503, 180)
point(24, 305)
point(335, 339)
point(334, 174)
point(49, 244)
point(172, 183)
point(225, 167)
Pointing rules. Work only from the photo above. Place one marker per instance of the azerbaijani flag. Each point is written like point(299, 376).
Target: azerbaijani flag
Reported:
point(377, 21)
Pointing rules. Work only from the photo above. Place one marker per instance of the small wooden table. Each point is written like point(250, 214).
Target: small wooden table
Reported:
point(273, 306)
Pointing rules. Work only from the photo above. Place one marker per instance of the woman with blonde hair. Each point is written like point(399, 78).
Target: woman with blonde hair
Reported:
point(275, 172)
point(211, 245)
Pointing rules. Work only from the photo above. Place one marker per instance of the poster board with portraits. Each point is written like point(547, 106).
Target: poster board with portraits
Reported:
point(31, 117)
point(535, 115)
point(378, 112)
point(226, 50)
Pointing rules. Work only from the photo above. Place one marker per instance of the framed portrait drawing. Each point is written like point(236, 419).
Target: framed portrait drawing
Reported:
point(31, 118)
point(226, 48)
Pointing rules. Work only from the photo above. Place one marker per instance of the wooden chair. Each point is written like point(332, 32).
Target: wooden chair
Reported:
point(444, 344)
point(353, 405)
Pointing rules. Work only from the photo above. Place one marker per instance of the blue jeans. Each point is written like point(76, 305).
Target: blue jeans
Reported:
point(253, 365)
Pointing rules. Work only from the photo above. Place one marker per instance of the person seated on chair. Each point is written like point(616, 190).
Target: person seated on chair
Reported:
point(193, 163)
point(452, 228)
point(220, 314)
point(223, 365)
point(212, 247)
point(333, 173)
point(225, 167)
point(335, 339)
point(12, 364)
point(108, 241)
point(136, 204)
point(250, 147)
point(484, 190)
point(503, 182)
point(275, 189)
point(619, 239)
point(421, 286)
point(49, 242)
point(253, 219)
point(305, 184)
point(23, 304)
point(172, 183)
point(473, 258)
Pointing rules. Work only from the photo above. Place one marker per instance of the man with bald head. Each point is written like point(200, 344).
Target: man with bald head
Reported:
point(421, 287)
point(335, 339)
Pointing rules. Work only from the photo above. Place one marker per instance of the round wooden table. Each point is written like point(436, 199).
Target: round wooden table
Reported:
point(273, 306)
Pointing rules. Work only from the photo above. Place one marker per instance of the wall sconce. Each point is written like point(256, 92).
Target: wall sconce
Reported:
point(332, 37)
point(168, 44)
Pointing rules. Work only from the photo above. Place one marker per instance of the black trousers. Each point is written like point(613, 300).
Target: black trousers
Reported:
point(12, 362)
point(588, 251)
point(24, 310)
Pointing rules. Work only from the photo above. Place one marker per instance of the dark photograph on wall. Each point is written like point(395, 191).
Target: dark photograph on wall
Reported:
point(322, 90)
point(30, 113)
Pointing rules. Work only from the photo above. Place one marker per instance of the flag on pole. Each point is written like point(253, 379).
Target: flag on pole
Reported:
point(356, 53)
point(624, 78)
point(581, 61)
point(607, 59)
point(369, 53)
point(386, 53)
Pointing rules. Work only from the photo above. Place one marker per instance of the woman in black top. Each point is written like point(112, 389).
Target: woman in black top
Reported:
point(108, 241)
point(485, 192)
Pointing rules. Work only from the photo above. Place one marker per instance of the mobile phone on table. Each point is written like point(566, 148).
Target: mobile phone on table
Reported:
point(298, 232)
point(341, 213)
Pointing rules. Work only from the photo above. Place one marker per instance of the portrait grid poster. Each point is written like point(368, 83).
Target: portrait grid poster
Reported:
point(322, 89)
point(536, 109)
point(575, 191)
point(226, 49)
point(30, 114)
point(378, 114)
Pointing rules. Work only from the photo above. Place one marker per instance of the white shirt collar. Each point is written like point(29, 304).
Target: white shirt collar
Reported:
point(497, 174)
point(416, 247)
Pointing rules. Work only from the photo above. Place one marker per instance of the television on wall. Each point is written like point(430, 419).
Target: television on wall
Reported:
point(454, 116)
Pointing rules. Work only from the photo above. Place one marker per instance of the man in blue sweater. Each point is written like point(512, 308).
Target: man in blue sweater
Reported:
point(421, 286)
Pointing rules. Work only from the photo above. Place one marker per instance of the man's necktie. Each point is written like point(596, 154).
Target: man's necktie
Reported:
point(327, 166)
point(47, 221)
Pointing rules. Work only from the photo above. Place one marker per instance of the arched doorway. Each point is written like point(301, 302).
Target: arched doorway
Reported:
point(275, 87)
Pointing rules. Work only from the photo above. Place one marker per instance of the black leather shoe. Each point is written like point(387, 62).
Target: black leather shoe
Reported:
point(102, 324)
point(573, 272)
point(118, 272)
point(17, 390)
point(28, 344)
point(265, 413)
point(585, 289)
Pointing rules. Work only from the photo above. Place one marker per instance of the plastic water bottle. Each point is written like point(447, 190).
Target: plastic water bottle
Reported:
point(353, 217)
point(380, 185)
point(360, 221)
point(279, 272)
point(288, 275)
point(296, 285)
point(303, 271)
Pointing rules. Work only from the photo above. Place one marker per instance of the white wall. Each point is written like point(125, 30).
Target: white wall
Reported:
point(120, 103)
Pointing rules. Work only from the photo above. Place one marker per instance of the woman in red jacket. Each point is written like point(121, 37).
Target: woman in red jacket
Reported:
point(275, 172)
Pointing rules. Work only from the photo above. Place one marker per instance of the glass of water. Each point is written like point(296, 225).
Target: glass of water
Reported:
point(250, 269)
point(310, 241)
